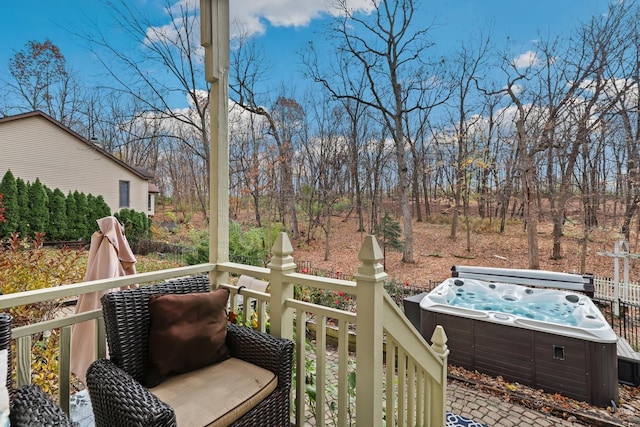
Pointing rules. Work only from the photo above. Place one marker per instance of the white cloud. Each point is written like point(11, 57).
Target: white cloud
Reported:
point(526, 59)
point(253, 15)
point(190, 4)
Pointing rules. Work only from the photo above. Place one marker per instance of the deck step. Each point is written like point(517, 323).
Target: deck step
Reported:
point(628, 363)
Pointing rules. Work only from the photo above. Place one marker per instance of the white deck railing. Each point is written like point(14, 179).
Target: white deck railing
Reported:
point(23, 335)
point(409, 389)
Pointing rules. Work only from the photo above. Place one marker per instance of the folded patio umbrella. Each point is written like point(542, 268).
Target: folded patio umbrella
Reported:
point(110, 256)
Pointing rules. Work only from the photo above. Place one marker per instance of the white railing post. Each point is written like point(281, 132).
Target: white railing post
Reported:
point(369, 348)
point(280, 265)
point(439, 401)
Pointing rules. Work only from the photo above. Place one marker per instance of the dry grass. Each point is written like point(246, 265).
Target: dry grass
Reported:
point(435, 252)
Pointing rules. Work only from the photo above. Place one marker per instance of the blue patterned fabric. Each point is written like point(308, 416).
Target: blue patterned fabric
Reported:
point(454, 420)
point(80, 410)
point(82, 415)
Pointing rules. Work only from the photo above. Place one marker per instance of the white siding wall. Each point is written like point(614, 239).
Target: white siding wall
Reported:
point(34, 148)
point(151, 209)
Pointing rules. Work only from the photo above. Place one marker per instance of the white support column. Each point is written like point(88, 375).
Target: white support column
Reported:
point(214, 29)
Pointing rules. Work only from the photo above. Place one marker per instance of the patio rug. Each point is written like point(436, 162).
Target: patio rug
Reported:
point(454, 420)
point(82, 415)
point(80, 410)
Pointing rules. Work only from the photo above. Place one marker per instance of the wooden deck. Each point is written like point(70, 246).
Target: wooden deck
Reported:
point(625, 351)
point(628, 363)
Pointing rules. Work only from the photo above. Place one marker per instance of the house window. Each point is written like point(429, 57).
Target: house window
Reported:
point(124, 194)
point(149, 202)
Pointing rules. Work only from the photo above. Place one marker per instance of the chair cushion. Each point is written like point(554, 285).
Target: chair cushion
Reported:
point(188, 332)
point(216, 395)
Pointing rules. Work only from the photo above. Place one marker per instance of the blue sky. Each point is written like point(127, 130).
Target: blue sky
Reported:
point(284, 26)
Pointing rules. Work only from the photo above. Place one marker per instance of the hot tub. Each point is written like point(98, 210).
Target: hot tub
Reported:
point(544, 338)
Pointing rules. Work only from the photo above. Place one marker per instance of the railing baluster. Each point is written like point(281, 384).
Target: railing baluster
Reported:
point(262, 315)
point(233, 300)
point(23, 356)
point(301, 367)
point(101, 335)
point(64, 368)
point(411, 392)
point(428, 403)
point(343, 373)
point(390, 381)
point(321, 370)
point(402, 387)
point(246, 313)
point(420, 374)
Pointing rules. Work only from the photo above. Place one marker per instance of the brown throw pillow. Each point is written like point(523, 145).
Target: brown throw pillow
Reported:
point(188, 332)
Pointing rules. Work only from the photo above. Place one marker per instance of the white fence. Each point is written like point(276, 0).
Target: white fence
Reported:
point(605, 289)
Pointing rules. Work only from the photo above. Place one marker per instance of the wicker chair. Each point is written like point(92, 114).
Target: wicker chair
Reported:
point(30, 406)
point(116, 388)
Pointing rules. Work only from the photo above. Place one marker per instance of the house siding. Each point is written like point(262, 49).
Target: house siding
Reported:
point(33, 147)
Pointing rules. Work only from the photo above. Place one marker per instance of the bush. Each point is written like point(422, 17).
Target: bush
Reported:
point(97, 208)
point(57, 216)
point(137, 225)
point(251, 247)
point(200, 254)
point(38, 216)
point(9, 193)
point(24, 266)
point(82, 230)
point(23, 207)
point(2, 218)
point(32, 208)
point(332, 299)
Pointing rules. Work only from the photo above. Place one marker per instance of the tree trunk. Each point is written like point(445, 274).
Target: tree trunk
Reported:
point(403, 183)
point(327, 235)
point(557, 234)
point(416, 187)
point(531, 215)
point(425, 189)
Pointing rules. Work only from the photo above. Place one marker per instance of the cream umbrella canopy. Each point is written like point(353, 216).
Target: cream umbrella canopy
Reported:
point(109, 256)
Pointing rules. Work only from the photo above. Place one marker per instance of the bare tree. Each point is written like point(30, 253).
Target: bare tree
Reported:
point(469, 65)
point(624, 122)
point(377, 161)
point(356, 132)
point(251, 165)
point(286, 121)
point(43, 81)
point(501, 159)
point(417, 123)
point(526, 123)
point(175, 49)
point(392, 54)
point(574, 88)
point(120, 126)
point(326, 158)
point(247, 72)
